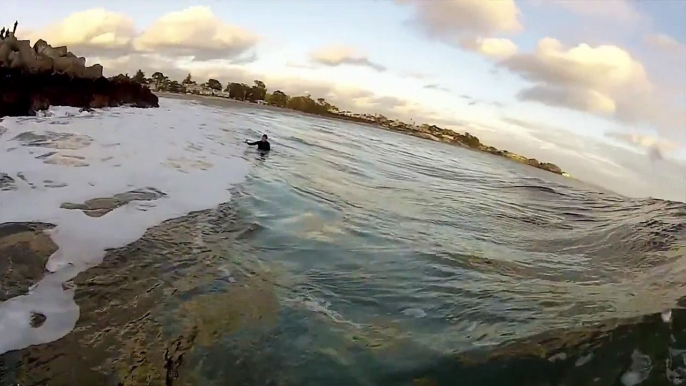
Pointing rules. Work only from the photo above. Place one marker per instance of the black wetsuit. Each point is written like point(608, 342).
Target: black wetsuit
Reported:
point(261, 145)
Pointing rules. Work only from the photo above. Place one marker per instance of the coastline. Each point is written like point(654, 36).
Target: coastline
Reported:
point(428, 132)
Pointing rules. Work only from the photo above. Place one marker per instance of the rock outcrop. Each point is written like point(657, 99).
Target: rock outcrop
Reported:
point(34, 78)
point(98, 207)
point(24, 250)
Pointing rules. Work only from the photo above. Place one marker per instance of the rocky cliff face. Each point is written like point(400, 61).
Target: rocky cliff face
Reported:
point(34, 78)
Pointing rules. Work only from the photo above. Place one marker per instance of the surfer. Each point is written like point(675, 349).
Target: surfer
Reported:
point(261, 145)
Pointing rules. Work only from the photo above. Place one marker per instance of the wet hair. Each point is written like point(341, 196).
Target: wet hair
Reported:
point(264, 136)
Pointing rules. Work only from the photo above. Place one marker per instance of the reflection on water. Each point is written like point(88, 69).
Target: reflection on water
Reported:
point(356, 256)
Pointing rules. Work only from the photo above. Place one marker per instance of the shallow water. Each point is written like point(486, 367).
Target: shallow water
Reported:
point(353, 255)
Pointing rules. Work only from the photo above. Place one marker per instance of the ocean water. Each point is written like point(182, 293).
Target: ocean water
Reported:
point(348, 255)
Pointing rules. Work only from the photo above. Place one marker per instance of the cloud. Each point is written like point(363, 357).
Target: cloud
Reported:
point(193, 32)
point(469, 24)
point(622, 10)
point(492, 47)
point(434, 86)
point(336, 55)
point(388, 102)
point(530, 125)
point(294, 64)
point(453, 19)
point(92, 32)
point(604, 80)
point(655, 147)
point(196, 32)
point(663, 42)
point(577, 99)
point(149, 63)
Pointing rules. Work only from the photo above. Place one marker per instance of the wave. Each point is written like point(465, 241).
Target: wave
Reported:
point(372, 258)
point(102, 180)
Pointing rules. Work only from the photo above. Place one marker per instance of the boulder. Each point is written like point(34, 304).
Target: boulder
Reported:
point(64, 64)
point(14, 60)
point(550, 167)
point(99, 101)
point(42, 47)
point(92, 72)
point(39, 103)
point(24, 251)
point(5, 51)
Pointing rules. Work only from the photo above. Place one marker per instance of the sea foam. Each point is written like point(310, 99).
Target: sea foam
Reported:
point(183, 150)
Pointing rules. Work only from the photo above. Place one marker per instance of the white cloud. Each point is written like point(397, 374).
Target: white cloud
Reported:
point(497, 48)
point(197, 32)
point(603, 80)
point(663, 42)
point(452, 19)
point(578, 99)
point(469, 24)
point(655, 146)
point(97, 31)
point(335, 55)
point(193, 32)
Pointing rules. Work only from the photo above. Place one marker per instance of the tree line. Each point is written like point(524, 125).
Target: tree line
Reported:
point(240, 91)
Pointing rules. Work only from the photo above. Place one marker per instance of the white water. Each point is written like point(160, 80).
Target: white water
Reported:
point(182, 149)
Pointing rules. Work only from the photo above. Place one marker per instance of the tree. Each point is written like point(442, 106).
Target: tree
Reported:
point(214, 84)
point(175, 86)
point(305, 104)
point(260, 84)
point(278, 98)
point(237, 91)
point(258, 92)
point(157, 76)
point(188, 81)
point(470, 140)
point(139, 77)
point(160, 81)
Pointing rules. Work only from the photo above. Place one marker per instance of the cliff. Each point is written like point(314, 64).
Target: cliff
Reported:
point(34, 78)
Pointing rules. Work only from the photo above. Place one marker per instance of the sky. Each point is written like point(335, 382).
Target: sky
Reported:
point(596, 86)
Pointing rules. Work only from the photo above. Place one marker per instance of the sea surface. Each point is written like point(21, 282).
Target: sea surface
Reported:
point(348, 255)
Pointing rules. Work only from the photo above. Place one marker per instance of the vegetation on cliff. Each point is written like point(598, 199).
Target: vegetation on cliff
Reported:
point(258, 93)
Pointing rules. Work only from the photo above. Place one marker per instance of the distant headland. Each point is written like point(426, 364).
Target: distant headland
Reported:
point(34, 78)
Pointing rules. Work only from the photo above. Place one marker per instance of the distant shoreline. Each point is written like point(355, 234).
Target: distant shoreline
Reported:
point(433, 133)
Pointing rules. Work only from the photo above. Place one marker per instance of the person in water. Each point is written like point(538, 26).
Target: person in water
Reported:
point(261, 145)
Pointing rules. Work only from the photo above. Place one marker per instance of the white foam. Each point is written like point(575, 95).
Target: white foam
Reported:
point(179, 148)
point(666, 316)
point(641, 365)
point(414, 312)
